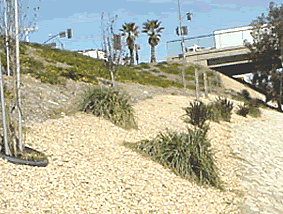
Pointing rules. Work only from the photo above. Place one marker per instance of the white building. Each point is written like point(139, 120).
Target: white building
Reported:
point(97, 54)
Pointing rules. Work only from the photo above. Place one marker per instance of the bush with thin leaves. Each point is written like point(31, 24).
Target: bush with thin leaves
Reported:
point(214, 112)
point(225, 107)
point(111, 105)
point(246, 94)
point(187, 154)
point(243, 110)
point(197, 113)
point(254, 111)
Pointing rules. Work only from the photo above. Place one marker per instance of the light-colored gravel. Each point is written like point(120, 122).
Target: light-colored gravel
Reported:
point(90, 171)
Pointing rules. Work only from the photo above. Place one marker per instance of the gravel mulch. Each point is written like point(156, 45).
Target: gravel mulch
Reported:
point(90, 171)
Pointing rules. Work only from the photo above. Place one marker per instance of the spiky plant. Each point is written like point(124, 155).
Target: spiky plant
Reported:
point(197, 113)
point(226, 108)
point(214, 112)
point(242, 110)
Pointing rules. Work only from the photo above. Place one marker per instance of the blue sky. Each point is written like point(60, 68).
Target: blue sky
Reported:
point(84, 18)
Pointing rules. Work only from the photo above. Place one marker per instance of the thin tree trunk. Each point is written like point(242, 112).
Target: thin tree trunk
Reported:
point(152, 54)
point(6, 145)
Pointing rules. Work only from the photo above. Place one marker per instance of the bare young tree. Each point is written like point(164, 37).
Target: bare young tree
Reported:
point(113, 47)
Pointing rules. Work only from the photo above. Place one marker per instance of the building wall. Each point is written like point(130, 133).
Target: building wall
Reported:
point(94, 54)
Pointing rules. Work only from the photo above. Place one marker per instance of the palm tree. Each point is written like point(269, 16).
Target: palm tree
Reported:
point(131, 31)
point(152, 28)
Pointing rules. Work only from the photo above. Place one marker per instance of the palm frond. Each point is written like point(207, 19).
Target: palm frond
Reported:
point(160, 29)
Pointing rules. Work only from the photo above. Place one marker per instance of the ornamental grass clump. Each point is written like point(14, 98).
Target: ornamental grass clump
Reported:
point(109, 104)
point(253, 106)
point(197, 113)
point(254, 111)
point(214, 112)
point(186, 154)
point(225, 107)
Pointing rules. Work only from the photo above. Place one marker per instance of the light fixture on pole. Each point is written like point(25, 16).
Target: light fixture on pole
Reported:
point(182, 43)
point(61, 34)
point(182, 31)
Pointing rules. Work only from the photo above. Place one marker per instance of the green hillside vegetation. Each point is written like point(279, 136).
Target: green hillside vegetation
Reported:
point(86, 69)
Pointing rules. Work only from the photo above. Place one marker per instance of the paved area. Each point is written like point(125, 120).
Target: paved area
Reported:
point(260, 143)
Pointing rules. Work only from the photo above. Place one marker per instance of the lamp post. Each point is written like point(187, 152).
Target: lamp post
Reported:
point(61, 34)
point(182, 44)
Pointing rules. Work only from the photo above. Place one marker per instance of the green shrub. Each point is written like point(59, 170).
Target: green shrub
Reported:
point(214, 112)
point(253, 102)
point(186, 154)
point(49, 78)
point(221, 109)
point(226, 108)
point(7, 93)
point(215, 81)
point(144, 65)
point(189, 78)
point(197, 114)
point(254, 111)
point(163, 63)
point(238, 97)
point(242, 110)
point(162, 75)
point(190, 86)
point(170, 70)
point(246, 94)
point(155, 71)
point(160, 66)
point(109, 104)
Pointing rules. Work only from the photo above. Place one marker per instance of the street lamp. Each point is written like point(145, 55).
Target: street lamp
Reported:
point(61, 34)
point(182, 43)
point(183, 31)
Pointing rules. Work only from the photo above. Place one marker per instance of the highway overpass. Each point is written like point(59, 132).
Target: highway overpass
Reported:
point(230, 61)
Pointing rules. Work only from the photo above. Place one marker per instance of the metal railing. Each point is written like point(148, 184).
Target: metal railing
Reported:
point(205, 41)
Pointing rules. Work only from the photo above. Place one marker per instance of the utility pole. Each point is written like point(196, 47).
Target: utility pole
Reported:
point(182, 45)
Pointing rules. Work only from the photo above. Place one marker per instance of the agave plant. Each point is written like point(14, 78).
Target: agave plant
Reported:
point(197, 113)
point(243, 110)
